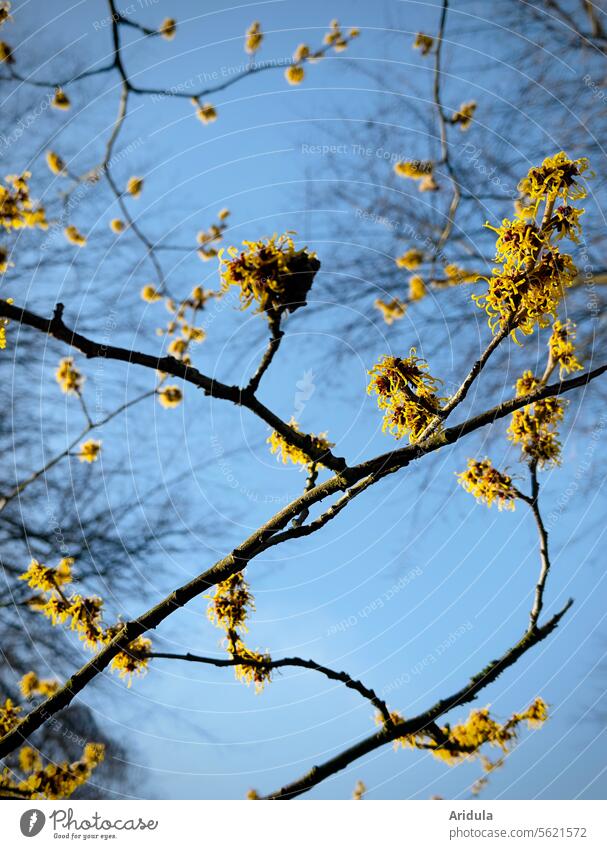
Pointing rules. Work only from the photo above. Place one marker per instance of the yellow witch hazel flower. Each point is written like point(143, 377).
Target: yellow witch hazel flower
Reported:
point(230, 606)
point(406, 391)
point(294, 74)
point(410, 260)
point(534, 427)
point(527, 287)
point(253, 38)
point(562, 348)
point(466, 739)
point(84, 614)
point(150, 294)
point(290, 453)
point(134, 186)
point(231, 603)
point(205, 112)
point(55, 163)
point(68, 377)
point(5, 263)
point(60, 100)
point(463, 116)
point(117, 225)
point(256, 667)
point(89, 451)
point(30, 685)
point(6, 53)
point(487, 485)
point(417, 288)
point(391, 311)
point(168, 28)
point(74, 236)
point(272, 273)
point(48, 578)
point(133, 660)
point(17, 210)
point(557, 176)
point(414, 169)
point(4, 323)
point(55, 780)
point(170, 396)
point(423, 43)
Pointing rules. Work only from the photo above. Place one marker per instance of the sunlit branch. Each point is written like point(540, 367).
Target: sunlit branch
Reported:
point(276, 335)
point(55, 327)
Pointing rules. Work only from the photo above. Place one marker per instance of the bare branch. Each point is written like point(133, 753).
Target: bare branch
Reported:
point(333, 675)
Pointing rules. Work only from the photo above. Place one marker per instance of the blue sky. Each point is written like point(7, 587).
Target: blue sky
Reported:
point(415, 587)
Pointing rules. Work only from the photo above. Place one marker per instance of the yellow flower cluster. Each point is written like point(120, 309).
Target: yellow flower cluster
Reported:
point(231, 603)
point(208, 238)
point(9, 716)
point(466, 739)
point(417, 288)
point(480, 728)
point(414, 169)
point(229, 609)
point(534, 427)
point(74, 236)
point(68, 377)
point(170, 396)
point(84, 614)
point(463, 116)
point(17, 210)
point(5, 264)
point(60, 99)
point(456, 275)
point(89, 451)
point(423, 43)
point(359, 790)
point(30, 685)
point(48, 578)
point(55, 780)
point(5, 12)
point(407, 393)
point(134, 186)
point(562, 348)
point(557, 176)
point(294, 74)
point(487, 485)
point(253, 38)
point(410, 260)
point(150, 294)
point(205, 112)
point(290, 453)
point(6, 53)
point(256, 668)
point(527, 287)
point(391, 311)
point(4, 323)
point(134, 659)
point(271, 273)
point(168, 28)
point(335, 38)
point(55, 163)
point(117, 225)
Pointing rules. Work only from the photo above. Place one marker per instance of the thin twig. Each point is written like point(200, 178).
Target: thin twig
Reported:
point(343, 677)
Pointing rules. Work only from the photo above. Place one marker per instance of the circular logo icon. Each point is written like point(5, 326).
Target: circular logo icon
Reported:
point(32, 822)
